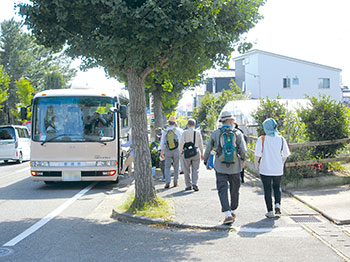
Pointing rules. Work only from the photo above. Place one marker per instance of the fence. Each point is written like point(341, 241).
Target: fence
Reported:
point(313, 143)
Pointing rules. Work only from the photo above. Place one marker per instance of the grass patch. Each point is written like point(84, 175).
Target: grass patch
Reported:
point(160, 208)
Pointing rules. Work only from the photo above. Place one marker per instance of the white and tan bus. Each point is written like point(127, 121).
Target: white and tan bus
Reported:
point(76, 135)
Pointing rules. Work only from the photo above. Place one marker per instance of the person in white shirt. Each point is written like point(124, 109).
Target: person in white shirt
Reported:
point(271, 152)
point(130, 156)
point(169, 145)
point(189, 136)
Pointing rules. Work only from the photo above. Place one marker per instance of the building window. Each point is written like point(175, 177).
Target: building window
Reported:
point(324, 83)
point(295, 81)
point(286, 82)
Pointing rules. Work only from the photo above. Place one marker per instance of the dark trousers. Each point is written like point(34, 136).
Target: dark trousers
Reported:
point(224, 183)
point(269, 183)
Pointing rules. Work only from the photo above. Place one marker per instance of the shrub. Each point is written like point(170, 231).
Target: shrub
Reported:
point(327, 119)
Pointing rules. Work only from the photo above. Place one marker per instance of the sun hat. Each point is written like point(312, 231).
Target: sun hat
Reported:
point(270, 127)
point(226, 115)
point(172, 120)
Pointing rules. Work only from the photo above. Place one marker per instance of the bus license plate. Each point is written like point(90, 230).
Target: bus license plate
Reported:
point(71, 176)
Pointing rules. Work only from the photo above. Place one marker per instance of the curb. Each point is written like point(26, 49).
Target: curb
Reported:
point(131, 218)
point(137, 219)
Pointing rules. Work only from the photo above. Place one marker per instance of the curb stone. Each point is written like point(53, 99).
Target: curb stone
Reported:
point(131, 218)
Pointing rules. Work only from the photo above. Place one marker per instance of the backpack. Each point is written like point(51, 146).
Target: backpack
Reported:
point(172, 140)
point(227, 143)
point(190, 149)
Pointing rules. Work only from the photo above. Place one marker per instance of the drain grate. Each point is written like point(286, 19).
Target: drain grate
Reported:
point(304, 219)
point(5, 251)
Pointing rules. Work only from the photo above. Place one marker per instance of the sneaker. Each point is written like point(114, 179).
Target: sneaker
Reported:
point(188, 188)
point(270, 214)
point(175, 184)
point(167, 185)
point(228, 220)
point(195, 188)
point(163, 179)
point(233, 216)
point(277, 211)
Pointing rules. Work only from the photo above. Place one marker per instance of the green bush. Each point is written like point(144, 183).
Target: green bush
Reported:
point(270, 108)
point(327, 119)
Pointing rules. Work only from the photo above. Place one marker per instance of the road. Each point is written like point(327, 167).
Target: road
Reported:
point(70, 222)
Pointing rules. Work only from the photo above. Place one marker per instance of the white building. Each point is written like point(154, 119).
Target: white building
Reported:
point(264, 74)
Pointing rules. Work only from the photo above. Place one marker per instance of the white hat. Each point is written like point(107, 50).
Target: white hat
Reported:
point(226, 115)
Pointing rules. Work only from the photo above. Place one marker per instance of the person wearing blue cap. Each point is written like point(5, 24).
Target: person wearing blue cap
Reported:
point(271, 152)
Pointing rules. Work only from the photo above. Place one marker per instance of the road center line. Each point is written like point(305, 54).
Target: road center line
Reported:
point(49, 217)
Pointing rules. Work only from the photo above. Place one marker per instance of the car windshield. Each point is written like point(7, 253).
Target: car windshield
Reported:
point(7, 133)
point(73, 119)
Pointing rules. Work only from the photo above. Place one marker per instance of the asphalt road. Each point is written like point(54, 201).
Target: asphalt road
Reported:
point(70, 222)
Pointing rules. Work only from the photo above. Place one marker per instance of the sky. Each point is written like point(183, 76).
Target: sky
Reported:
point(311, 30)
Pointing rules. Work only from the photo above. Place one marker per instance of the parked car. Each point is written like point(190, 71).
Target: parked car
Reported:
point(14, 143)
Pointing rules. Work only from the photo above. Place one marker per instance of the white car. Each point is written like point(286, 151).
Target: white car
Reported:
point(14, 143)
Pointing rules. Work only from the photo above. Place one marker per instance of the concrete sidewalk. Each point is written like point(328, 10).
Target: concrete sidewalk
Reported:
point(331, 202)
point(202, 209)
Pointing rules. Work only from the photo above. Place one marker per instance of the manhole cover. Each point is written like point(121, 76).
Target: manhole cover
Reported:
point(5, 251)
point(309, 219)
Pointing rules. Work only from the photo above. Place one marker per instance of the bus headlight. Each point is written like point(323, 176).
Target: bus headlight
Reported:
point(105, 163)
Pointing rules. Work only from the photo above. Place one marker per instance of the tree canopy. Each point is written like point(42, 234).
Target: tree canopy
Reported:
point(131, 39)
point(21, 57)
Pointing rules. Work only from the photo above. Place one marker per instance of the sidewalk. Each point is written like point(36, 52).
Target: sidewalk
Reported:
point(331, 202)
point(202, 209)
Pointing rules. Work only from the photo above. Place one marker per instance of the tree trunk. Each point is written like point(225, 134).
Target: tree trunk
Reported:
point(144, 185)
point(157, 103)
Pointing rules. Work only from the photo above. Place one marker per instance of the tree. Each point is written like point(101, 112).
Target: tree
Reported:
point(25, 93)
point(4, 84)
point(22, 57)
point(211, 106)
point(132, 39)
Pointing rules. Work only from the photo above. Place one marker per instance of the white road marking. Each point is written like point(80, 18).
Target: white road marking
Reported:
point(49, 217)
point(266, 229)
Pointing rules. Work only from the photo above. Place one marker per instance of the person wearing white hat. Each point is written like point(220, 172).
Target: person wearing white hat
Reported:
point(169, 145)
point(227, 172)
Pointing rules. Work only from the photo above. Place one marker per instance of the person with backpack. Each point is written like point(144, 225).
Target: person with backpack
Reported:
point(191, 149)
point(271, 152)
point(230, 148)
point(169, 145)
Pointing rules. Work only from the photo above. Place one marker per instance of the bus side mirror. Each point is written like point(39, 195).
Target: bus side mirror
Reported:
point(122, 111)
point(24, 113)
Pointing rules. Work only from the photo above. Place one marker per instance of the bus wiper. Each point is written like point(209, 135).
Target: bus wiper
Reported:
point(53, 138)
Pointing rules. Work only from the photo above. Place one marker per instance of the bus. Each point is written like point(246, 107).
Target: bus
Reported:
point(76, 135)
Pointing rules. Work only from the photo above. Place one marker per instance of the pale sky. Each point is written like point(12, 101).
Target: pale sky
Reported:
point(312, 30)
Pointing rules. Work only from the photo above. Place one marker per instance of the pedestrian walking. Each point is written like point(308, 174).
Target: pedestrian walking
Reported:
point(129, 156)
point(243, 164)
point(169, 145)
point(191, 150)
point(230, 148)
point(271, 152)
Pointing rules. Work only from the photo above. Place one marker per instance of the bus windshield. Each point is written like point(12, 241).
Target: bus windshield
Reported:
point(73, 119)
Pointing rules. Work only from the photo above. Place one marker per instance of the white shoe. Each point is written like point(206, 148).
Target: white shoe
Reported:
point(270, 214)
